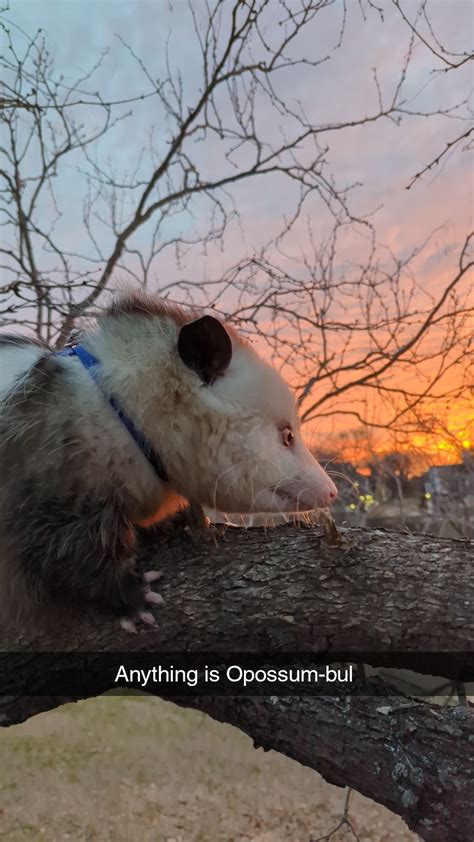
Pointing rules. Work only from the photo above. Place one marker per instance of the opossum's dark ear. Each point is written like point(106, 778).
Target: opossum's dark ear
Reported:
point(206, 347)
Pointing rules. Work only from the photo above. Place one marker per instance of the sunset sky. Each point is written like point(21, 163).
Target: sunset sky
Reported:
point(382, 157)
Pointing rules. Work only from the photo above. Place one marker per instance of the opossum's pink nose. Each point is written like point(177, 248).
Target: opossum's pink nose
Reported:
point(327, 497)
point(306, 495)
point(323, 493)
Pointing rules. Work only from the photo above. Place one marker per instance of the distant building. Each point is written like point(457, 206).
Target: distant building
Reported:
point(447, 492)
point(455, 482)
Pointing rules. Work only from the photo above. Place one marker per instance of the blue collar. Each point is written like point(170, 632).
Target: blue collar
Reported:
point(92, 365)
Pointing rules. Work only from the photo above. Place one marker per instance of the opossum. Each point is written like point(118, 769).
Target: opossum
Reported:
point(154, 406)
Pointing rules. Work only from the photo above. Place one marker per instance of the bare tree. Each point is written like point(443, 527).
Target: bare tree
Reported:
point(350, 335)
point(346, 331)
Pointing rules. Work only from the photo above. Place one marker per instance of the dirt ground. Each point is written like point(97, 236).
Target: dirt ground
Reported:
point(141, 769)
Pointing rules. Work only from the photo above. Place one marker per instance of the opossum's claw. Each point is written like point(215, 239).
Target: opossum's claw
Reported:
point(128, 625)
point(154, 598)
point(147, 618)
point(151, 596)
point(151, 576)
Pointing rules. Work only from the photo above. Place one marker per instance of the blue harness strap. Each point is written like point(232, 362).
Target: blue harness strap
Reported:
point(92, 365)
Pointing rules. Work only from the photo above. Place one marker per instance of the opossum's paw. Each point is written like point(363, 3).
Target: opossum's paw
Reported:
point(195, 516)
point(151, 576)
point(214, 532)
point(198, 526)
point(205, 531)
point(129, 624)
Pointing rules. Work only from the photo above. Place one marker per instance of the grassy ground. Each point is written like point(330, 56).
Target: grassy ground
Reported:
point(140, 769)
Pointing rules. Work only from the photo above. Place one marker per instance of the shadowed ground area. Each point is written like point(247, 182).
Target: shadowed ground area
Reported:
point(136, 768)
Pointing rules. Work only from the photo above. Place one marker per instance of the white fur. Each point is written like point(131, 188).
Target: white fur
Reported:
point(15, 360)
point(221, 444)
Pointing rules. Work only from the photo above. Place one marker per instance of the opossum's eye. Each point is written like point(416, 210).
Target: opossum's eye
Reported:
point(287, 436)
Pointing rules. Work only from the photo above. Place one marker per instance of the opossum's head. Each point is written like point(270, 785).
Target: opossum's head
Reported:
point(236, 420)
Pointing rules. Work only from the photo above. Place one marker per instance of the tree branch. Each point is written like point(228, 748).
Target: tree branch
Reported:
point(287, 590)
point(414, 758)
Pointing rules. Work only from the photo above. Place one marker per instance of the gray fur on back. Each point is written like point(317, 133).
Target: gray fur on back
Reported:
point(65, 532)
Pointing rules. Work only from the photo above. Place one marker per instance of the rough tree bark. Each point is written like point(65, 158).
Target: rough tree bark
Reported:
point(287, 590)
